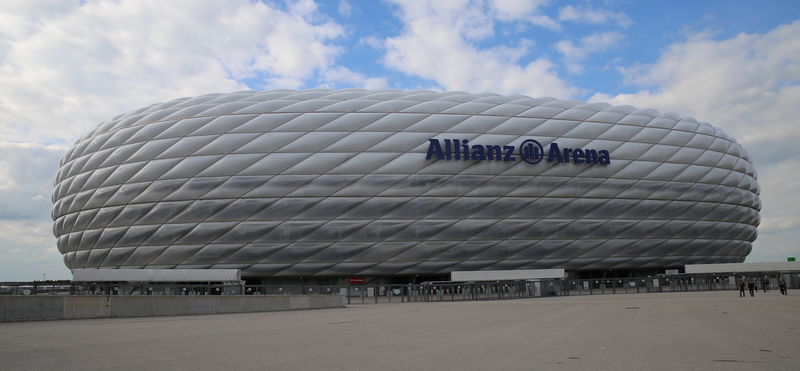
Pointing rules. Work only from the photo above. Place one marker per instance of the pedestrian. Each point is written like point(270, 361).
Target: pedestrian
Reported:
point(741, 289)
point(752, 287)
point(782, 286)
point(765, 284)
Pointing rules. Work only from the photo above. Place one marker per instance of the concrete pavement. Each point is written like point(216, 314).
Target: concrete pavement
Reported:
point(666, 331)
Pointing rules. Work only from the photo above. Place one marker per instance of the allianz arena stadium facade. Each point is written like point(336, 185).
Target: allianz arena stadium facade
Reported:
point(336, 183)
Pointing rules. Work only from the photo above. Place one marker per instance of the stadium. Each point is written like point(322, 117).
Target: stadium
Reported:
point(398, 185)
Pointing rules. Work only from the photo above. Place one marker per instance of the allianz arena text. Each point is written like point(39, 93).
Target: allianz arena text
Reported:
point(335, 183)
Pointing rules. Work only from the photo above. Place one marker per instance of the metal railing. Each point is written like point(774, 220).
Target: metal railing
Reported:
point(518, 289)
point(452, 291)
point(160, 288)
point(422, 292)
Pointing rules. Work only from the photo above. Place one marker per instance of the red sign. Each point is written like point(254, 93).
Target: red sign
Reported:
point(357, 280)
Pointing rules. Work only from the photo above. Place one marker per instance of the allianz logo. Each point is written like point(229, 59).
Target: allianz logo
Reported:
point(530, 151)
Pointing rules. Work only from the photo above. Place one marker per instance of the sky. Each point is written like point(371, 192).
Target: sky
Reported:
point(66, 66)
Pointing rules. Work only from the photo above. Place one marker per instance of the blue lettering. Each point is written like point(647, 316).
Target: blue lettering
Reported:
point(604, 158)
point(577, 156)
point(530, 151)
point(434, 148)
point(554, 154)
point(478, 153)
point(509, 153)
point(495, 153)
point(567, 153)
point(591, 156)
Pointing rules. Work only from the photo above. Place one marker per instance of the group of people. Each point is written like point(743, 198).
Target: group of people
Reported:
point(752, 286)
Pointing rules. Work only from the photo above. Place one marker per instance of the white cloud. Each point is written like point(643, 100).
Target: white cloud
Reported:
point(574, 54)
point(746, 82)
point(590, 15)
point(514, 10)
point(345, 9)
point(27, 171)
point(27, 245)
point(28, 250)
point(371, 41)
point(64, 70)
point(749, 86)
point(27, 232)
point(352, 79)
point(439, 43)
point(779, 184)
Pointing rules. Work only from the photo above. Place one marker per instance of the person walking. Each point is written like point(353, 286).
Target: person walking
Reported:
point(782, 286)
point(752, 287)
point(765, 284)
point(741, 289)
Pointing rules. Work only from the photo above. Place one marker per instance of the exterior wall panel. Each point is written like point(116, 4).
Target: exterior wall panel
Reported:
point(321, 182)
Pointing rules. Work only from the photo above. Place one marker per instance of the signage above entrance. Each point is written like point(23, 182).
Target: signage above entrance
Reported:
point(357, 280)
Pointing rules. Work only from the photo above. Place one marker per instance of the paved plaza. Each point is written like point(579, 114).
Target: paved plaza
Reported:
point(667, 331)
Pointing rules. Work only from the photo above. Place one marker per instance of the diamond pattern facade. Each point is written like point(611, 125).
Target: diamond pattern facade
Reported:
point(331, 183)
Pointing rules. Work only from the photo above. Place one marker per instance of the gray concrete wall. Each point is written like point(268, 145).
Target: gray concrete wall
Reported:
point(34, 308)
